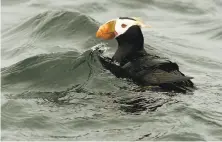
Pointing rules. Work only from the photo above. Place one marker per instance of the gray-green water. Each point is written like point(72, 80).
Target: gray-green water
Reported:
point(54, 88)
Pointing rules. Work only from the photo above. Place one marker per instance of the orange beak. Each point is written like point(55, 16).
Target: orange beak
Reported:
point(107, 30)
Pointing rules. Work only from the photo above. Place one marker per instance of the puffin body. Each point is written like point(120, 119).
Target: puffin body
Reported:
point(135, 63)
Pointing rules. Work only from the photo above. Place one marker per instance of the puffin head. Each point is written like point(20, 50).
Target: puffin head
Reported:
point(117, 27)
point(127, 32)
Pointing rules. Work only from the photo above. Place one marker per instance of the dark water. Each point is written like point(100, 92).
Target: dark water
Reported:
point(54, 88)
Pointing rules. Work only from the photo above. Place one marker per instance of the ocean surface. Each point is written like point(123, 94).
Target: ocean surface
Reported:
point(53, 86)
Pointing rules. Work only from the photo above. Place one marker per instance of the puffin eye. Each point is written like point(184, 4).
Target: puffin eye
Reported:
point(123, 25)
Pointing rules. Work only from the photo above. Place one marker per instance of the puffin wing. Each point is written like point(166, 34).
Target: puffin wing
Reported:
point(174, 80)
point(167, 76)
point(159, 76)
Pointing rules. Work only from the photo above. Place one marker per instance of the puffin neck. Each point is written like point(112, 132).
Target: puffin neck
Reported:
point(130, 45)
point(133, 37)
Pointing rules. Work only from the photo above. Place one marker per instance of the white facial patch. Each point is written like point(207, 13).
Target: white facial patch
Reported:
point(122, 25)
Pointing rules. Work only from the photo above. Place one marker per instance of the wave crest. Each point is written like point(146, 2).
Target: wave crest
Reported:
point(66, 24)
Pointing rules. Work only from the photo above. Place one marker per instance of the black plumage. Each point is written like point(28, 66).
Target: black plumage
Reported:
point(144, 69)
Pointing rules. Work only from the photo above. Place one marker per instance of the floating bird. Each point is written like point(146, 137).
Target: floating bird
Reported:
point(135, 63)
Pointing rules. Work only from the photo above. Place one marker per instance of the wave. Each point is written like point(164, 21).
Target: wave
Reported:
point(12, 2)
point(47, 32)
point(51, 71)
point(183, 7)
point(188, 7)
point(216, 32)
point(66, 24)
point(210, 27)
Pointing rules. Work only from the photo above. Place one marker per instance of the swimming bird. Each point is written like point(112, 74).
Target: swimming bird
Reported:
point(134, 61)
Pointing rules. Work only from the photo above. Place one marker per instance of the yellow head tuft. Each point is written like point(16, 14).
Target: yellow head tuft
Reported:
point(141, 23)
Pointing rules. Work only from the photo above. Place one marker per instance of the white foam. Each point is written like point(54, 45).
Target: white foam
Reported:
point(100, 46)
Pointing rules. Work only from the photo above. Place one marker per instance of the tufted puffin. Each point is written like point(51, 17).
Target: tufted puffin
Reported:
point(135, 63)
